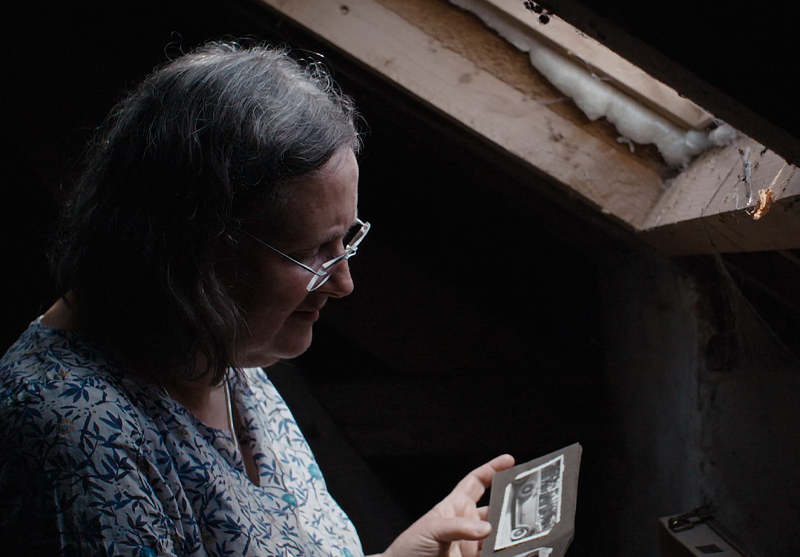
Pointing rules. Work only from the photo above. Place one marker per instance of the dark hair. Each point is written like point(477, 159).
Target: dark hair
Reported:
point(205, 145)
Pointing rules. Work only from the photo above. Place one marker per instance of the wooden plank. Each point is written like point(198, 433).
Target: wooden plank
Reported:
point(730, 232)
point(399, 51)
point(725, 180)
point(708, 207)
point(567, 40)
point(702, 211)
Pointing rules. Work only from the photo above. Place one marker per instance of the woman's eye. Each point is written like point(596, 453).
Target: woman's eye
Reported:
point(306, 254)
point(326, 251)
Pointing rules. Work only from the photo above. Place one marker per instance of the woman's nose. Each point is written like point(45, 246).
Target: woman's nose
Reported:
point(341, 282)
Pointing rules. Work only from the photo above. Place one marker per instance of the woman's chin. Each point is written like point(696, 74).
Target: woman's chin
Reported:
point(273, 352)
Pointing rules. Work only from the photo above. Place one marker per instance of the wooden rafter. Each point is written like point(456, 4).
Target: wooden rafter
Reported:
point(709, 207)
point(604, 63)
point(705, 207)
point(421, 65)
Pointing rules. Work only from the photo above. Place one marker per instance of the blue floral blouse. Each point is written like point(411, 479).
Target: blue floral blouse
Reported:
point(96, 463)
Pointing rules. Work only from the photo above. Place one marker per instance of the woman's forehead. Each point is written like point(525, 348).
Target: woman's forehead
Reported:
point(321, 206)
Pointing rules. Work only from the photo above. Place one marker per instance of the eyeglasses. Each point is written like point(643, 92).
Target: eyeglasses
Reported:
point(322, 274)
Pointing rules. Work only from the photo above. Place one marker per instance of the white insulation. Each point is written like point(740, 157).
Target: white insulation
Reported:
point(599, 99)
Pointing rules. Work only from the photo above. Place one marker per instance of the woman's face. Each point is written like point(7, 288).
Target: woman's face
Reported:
point(279, 310)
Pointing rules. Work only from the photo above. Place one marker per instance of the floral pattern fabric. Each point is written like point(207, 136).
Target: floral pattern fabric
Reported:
point(93, 462)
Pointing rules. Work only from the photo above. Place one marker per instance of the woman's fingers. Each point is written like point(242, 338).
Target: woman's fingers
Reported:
point(470, 549)
point(456, 526)
point(483, 514)
point(459, 528)
point(476, 482)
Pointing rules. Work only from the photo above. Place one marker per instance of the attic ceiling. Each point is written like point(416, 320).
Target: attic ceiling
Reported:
point(457, 65)
point(681, 44)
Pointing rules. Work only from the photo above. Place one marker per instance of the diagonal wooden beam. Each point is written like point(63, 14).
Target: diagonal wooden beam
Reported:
point(601, 61)
point(401, 52)
point(709, 207)
point(703, 210)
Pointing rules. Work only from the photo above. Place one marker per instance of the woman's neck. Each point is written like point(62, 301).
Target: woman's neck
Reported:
point(62, 315)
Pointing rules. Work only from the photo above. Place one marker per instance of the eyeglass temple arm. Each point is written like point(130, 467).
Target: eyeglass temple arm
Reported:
point(289, 257)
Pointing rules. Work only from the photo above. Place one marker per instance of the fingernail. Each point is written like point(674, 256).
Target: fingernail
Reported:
point(483, 529)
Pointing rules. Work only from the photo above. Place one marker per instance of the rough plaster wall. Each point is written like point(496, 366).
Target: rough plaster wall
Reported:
point(652, 345)
point(752, 457)
point(686, 435)
point(750, 435)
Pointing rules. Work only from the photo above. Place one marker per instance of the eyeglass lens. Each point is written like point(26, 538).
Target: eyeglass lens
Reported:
point(351, 241)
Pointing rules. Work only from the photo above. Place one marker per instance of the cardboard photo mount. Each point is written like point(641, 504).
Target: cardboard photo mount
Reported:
point(553, 481)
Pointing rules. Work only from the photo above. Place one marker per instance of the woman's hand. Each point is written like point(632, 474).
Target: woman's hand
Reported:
point(456, 526)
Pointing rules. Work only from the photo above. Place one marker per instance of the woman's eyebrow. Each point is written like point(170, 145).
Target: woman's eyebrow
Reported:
point(336, 235)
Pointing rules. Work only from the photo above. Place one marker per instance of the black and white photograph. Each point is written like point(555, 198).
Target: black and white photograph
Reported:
point(532, 506)
point(538, 552)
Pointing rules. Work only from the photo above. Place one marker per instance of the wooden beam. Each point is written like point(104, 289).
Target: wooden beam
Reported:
point(721, 103)
point(710, 207)
point(603, 62)
point(394, 48)
point(703, 210)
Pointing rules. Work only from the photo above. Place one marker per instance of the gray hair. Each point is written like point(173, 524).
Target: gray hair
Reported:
point(207, 144)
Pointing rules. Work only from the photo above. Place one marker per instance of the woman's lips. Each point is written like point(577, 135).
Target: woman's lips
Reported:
point(307, 315)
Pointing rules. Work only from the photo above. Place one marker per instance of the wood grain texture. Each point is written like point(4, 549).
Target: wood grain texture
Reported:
point(706, 209)
point(597, 169)
point(446, 59)
point(570, 42)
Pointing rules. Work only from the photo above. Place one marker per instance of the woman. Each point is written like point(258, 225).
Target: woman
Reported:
point(213, 221)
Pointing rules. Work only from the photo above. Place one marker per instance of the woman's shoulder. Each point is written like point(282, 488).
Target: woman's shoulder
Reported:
point(53, 358)
point(50, 380)
point(75, 449)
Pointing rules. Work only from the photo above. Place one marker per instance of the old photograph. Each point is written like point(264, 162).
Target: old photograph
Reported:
point(531, 504)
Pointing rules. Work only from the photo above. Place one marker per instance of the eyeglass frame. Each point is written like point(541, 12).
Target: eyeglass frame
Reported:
point(322, 275)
